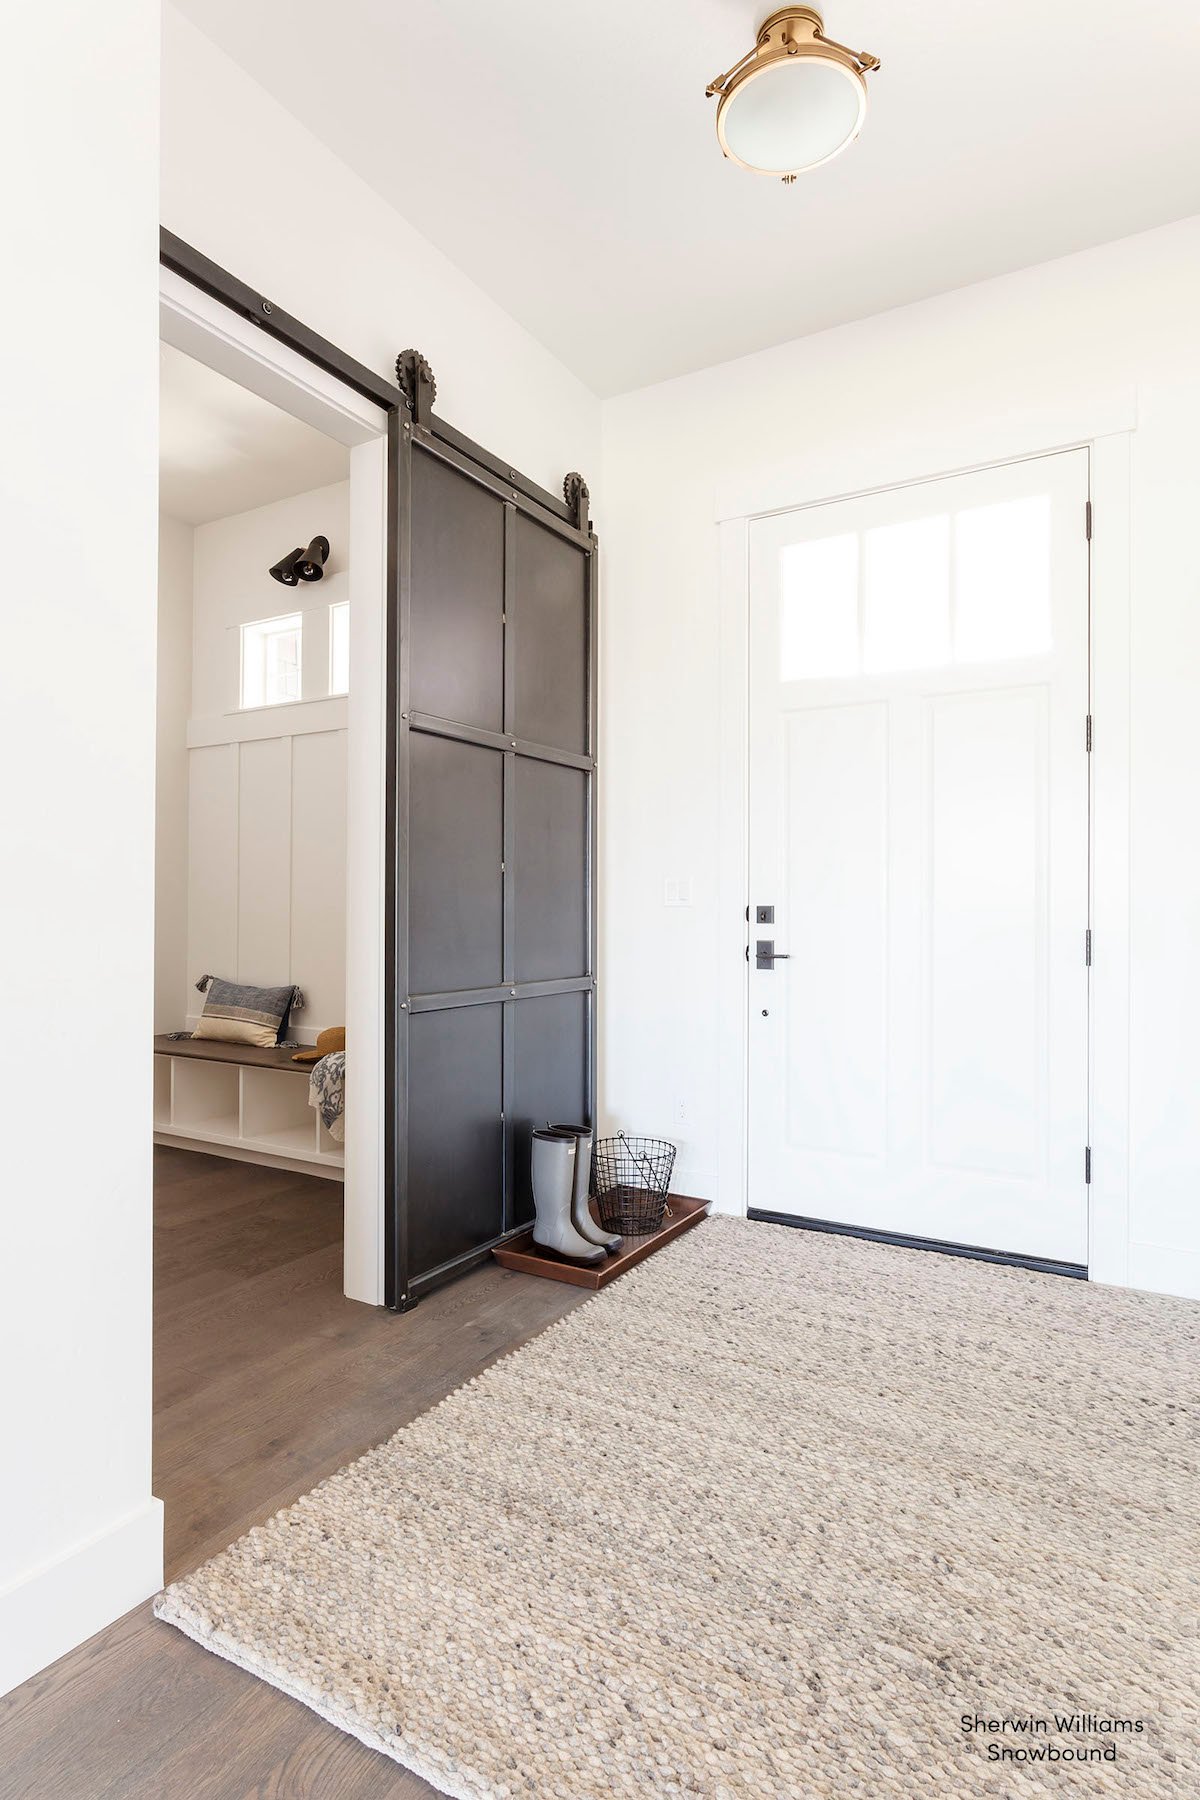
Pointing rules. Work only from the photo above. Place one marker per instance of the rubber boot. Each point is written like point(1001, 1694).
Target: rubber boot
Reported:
point(554, 1158)
point(581, 1212)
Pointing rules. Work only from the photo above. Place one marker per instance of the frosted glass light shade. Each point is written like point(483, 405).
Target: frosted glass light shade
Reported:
point(792, 114)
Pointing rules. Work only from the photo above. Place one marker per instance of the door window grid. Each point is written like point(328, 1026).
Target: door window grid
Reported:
point(270, 662)
point(968, 586)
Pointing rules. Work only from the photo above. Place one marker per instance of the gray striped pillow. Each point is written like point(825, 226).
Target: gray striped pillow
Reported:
point(237, 1014)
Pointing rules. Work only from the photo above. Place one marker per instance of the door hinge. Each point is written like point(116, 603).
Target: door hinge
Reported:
point(1088, 734)
point(1087, 1164)
point(1087, 946)
point(1087, 521)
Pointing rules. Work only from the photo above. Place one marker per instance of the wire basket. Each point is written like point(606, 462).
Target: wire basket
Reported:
point(631, 1178)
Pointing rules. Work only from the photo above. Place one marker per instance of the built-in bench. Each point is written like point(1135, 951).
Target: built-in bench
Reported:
point(241, 1101)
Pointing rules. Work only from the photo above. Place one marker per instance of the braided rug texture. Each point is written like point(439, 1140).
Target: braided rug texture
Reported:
point(766, 1518)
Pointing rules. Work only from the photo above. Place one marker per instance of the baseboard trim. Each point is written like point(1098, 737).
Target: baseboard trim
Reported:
point(1165, 1269)
point(1008, 1258)
point(65, 1602)
point(234, 1151)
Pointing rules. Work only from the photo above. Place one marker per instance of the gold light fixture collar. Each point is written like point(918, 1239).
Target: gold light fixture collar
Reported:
point(791, 32)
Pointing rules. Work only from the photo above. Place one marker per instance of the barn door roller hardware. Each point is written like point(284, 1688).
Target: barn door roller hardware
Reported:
point(417, 383)
point(577, 497)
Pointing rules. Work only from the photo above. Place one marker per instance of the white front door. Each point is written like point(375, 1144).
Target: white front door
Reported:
point(919, 825)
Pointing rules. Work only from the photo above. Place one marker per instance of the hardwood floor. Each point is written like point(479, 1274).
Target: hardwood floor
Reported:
point(266, 1379)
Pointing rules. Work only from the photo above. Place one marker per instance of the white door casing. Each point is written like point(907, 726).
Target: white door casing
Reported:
point(208, 331)
point(918, 819)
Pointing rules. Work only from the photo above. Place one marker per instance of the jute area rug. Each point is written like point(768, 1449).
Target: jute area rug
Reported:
point(778, 1514)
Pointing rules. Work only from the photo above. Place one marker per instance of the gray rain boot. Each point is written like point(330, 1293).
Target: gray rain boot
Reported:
point(581, 1212)
point(554, 1158)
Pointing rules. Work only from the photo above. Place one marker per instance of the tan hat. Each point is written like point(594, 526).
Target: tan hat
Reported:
point(327, 1042)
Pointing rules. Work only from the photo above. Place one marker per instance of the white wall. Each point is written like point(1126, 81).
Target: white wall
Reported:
point(233, 588)
point(266, 852)
point(1049, 344)
point(80, 1537)
point(175, 553)
point(246, 183)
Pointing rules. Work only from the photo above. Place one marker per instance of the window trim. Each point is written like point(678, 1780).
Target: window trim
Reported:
point(284, 621)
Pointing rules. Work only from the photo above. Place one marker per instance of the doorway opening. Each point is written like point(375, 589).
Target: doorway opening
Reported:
point(253, 690)
point(269, 910)
point(343, 432)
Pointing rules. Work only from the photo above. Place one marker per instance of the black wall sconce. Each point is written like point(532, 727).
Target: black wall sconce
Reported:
point(302, 565)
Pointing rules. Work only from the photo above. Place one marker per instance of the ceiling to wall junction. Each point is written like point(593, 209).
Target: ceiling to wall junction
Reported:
point(223, 450)
point(565, 156)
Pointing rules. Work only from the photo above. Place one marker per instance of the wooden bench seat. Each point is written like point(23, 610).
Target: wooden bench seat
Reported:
point(210, 1050)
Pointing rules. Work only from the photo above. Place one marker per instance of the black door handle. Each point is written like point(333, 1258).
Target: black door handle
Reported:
point(766, 955)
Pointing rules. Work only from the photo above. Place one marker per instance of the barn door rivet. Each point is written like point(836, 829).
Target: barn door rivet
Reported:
point(267, 307)
point(515, 494)
point(513, 992)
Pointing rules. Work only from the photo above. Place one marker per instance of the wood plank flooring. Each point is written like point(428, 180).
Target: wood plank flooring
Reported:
point(266, 1379)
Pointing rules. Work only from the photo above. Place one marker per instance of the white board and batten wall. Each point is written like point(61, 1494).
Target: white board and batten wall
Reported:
point(266, 880)
point(252, 815)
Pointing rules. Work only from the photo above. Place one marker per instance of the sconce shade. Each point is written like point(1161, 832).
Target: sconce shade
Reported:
point(285, 569)
point(310, 565)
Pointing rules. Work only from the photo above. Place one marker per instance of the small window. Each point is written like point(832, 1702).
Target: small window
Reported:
point(973, 586)
point(271, 660)
point(339, 648)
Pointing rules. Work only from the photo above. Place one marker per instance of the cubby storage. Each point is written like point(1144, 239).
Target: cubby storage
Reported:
point(245, 1102)
point(204, 1098)
point(328, 1146)
point(276, 1114)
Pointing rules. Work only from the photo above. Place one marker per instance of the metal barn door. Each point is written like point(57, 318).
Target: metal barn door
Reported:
point(493, 740)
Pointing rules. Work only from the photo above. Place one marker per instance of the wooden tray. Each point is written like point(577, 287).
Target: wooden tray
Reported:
point(522, 1253)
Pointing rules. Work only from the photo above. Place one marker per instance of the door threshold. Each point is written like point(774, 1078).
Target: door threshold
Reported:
point(1010, 1259)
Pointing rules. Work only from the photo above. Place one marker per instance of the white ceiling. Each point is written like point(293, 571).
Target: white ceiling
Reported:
point(223, 450)
point(564, 155)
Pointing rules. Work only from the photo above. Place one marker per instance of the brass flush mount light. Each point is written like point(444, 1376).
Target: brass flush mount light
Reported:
point(793, 101)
